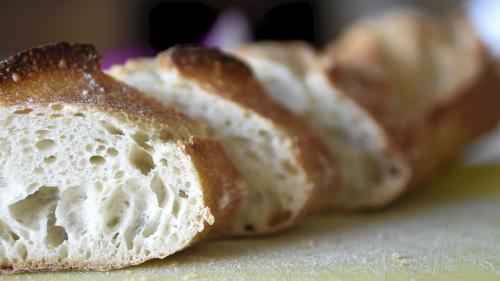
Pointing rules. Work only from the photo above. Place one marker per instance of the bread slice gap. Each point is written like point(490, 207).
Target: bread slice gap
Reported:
point(291, 72)
point(94, 174)
point(287, 170)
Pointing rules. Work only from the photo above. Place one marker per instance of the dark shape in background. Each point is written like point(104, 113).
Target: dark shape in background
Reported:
point(173, 22)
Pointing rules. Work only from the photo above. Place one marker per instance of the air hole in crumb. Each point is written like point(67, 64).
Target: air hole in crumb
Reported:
point(142, 140)
point(22, 251)
point(160, 190)
point(175, 237)
point(99, 140)
point(56, 235)
point(177, 171)
point(141, 160)
point(79, 114)
point(55, 115)
point(263, 134)
point(151, 228)
point(45, 144)
point(182, 194)
point(187, 184)
point(89, 148)
point(38, 170)
point(98, 187)
point(23, 111)
point(50, 160)
point(57, 107)
point(14, 236)
point(112, 151)
point(111, 129)
point(100, 148)
point(41, 132)
point(175, 209)
point(97, 160)
point(29, 210)
point(113, 222)
point(119, 174)
point(164, 162)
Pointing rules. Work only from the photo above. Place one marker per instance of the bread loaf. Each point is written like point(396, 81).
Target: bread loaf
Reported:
point(287, 170)
point(95, 175)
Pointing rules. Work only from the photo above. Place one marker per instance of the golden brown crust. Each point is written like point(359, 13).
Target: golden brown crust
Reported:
point(229, 78)
point(394, 67)
point(222, 186)
point(70, 73)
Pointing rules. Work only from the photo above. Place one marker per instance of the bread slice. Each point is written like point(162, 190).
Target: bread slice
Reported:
point(96, 176)
point(394, 98)
point(287, 170)
point(434, 89)
point(372, 170)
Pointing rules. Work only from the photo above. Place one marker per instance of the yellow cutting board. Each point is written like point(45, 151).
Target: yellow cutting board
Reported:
point(448, 229)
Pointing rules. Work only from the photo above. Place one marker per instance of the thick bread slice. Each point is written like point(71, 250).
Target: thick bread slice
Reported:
point(373, 171)
point(93, 175)
point(429, 82)
point(287, 170)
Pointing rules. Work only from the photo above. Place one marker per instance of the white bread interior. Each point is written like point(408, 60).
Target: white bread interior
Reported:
point(78, 184)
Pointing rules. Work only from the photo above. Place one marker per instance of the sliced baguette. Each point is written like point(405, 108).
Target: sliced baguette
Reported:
point(429, 82)
point(373, 171)
point(395, 97)
point(96, 176)
point(287, 170)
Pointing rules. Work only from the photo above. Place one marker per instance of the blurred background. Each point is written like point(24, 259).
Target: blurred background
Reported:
point(125, 28)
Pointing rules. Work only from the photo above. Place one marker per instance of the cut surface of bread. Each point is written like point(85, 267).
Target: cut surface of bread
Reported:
point(95, 175)
point(372, 172)
point(428, 82)
point(287, 170)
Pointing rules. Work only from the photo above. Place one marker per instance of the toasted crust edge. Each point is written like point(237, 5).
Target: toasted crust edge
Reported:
point(70, 73)
point(223, 188)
